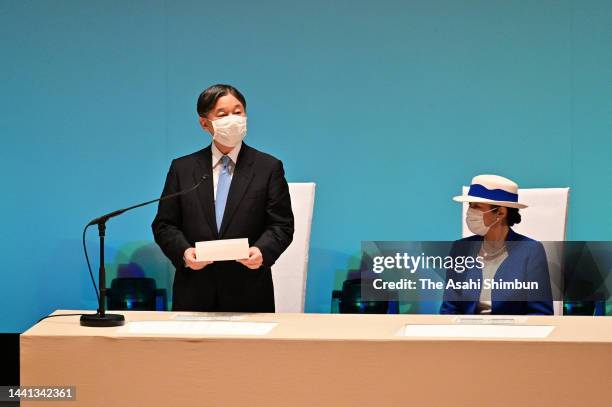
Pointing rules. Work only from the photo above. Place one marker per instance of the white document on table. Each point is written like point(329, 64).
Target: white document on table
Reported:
point(215, 317)
point(220, 250)
point(477, 331)
point(198, 327)
point(491, 319)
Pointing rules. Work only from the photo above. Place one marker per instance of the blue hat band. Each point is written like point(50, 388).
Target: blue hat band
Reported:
point(479, 191)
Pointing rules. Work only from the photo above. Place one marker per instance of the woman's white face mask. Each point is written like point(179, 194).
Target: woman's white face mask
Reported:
point(229, 130)
point(475, 221)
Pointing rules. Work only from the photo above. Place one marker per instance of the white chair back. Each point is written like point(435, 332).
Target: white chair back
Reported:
point(290, 270)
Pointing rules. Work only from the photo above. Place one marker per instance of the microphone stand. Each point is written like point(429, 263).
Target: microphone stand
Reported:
point(101, 318)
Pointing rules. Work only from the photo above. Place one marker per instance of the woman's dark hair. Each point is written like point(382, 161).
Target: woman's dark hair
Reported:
point(513, 217)
point(208, 98)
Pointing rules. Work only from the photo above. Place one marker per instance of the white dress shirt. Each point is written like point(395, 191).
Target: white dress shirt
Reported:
point(216, 163)
point(488, 272)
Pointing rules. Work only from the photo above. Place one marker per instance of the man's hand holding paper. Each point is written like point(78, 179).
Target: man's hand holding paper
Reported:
point(208, 252)
point(255, 259)
point(191, 260)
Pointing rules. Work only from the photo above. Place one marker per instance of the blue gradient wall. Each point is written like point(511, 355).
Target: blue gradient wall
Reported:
point(388, 106)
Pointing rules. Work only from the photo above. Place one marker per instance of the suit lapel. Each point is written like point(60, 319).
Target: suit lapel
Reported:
point(241, 179)
point(206, 191)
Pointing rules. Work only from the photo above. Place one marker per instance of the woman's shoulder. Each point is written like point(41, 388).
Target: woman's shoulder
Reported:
point(473, 238)
point(512, 235)
point(518, 243)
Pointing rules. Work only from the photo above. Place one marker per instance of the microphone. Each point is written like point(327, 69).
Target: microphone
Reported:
point(101, 318)
point(104, 218)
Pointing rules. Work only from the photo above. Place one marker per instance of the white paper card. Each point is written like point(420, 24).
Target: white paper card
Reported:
point(219, 250)
point(477, 331)
point(198, 327)
point(208, 317)
point(500, 320)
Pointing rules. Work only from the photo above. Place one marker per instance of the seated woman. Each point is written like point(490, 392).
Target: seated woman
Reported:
point(505, 256)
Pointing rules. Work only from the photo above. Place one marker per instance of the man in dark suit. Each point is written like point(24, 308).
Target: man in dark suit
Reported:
point(244, 195)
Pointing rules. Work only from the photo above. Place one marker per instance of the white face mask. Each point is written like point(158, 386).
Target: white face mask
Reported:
point(475, 221)
point(229, 130)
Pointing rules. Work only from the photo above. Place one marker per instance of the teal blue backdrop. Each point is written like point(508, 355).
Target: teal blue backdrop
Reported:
point(389, 106)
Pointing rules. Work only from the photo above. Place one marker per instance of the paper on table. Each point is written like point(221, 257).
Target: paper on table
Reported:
point(198, 327)
point(477, 331)
point(215, 317)
point(493, 319)
point(219, 250)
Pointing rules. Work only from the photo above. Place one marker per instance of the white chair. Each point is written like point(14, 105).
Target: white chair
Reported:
point(289, 271)
point(544, 219)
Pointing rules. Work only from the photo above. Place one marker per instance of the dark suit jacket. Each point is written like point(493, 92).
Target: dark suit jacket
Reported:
point(526, 261)
point(258, 208)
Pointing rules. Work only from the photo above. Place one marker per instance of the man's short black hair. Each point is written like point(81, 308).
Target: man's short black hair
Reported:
point(208, 98)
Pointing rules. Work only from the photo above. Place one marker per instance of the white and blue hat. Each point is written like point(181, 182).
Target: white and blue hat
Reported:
point(494, 190)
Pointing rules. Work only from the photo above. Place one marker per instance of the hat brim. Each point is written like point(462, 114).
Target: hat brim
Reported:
point(468, 198)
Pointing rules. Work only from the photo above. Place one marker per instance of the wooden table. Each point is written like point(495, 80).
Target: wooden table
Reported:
point(321, 360)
